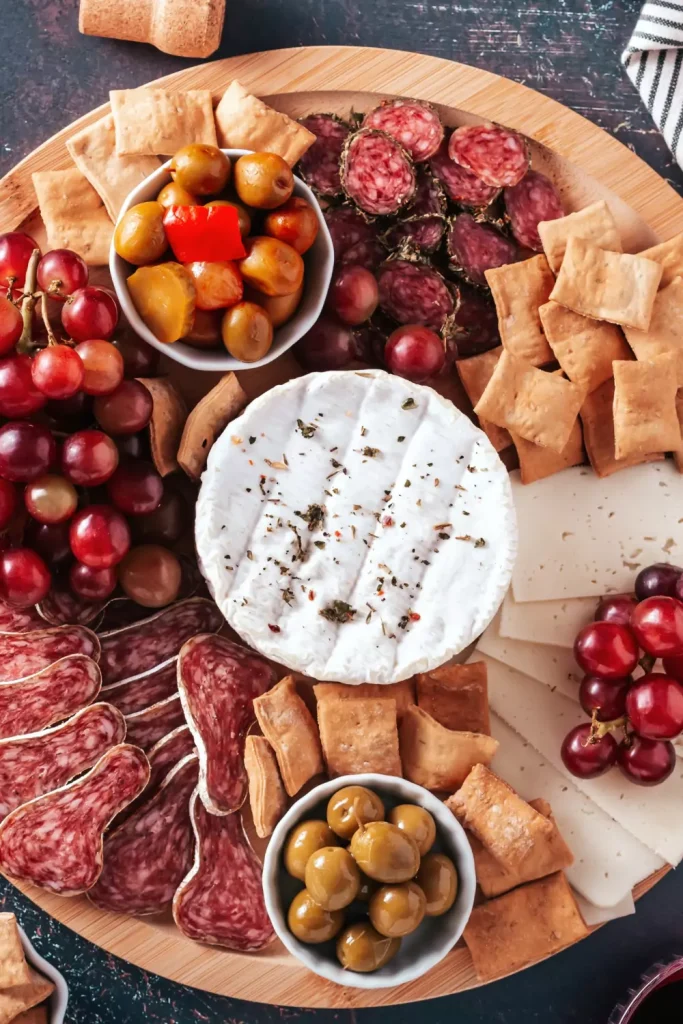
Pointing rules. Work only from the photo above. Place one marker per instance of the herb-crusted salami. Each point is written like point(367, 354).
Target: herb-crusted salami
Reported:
point(19, 620)
point(38, 701)
point(139, 692)
point(23, 654)
point(368, 254)
point(62, 608)
point(461, 186)
point(497, 155)
point(474, 248)
point(474, 326)
point(377, 173)
point(430, 197)
point(422, 233)
point(347, 227)
point(414, 293)
point(532, 200)
point(319, 166)
point(415, 125)
point(145, 728)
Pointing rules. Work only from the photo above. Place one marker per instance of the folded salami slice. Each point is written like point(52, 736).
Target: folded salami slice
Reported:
point(147, 727)
point(63, 608)
point(218, 682)
point(23, 654)
point(48, 696)
point(135, 649)
point(221, 900)
point(377, 173)
point(19, 620)
point(140, 692)
point(414, 293)
point(163, 756)
point(497, 155)
point(461, 186)
point(415, 125)
point(42, 761)
point(474, 248)
point(55, 841)
point(147, 857)
point(319, 166)
point(534, 199)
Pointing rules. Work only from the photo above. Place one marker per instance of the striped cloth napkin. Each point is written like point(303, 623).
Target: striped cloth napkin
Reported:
point(654, 62)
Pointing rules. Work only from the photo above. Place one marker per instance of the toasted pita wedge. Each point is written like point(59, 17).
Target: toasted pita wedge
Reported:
point(670, 255)
point(456, 696)
point(598, 433)
point(245, 122)
point(403, 693)
point(439, 758)
point(584, 348)
point(645, 418)
point(291, 731)
point(475, 373)
point(208, 419)
point(594, 223)
point(518, 290)
point(13, 967)
point(151, 121)
point(19, 998)
point(166, 426)
point(359, 736)
point(73, 215)
point(267, 796)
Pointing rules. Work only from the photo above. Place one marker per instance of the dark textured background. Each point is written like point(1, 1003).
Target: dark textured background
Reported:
point(569, 49)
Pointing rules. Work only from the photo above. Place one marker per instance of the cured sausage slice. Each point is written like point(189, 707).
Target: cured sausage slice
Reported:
point(347, 227)
point(147, 727)
point(62, 608)
point(319, 166)
point(147, 857)
point(221, 900)
point(474, 326)
point(55, 841)
point(414, 293)
point(23, 654)
point(534, 199)
point(19, 620)
point(143, 645)
point(415, 125)
point(424, 233)
point(368, 254)
point(377, 173)
point(218, 682)
point(140, 692)
point(120, 611)
point(474, 248)
point(497, 155)
point(461, 186)
point(163, 756)
point(430, 197)
point(42, 761)
point(48, 696)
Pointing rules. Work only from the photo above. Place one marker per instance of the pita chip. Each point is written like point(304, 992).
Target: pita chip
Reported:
point(74, 215)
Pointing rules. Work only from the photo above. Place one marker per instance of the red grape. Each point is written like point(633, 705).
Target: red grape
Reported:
point(61, 272)
point(134, 446)
point(150, 575)
point(90, 312)
point(11, 325)
point(26, 451)
point(103, 366)
point(329, 345)
point(139, 358)
point(606, 649)
point(584, 759)
point(15, 252)
point(607, 697)
point(414, 352)
point(18, 394)
point(615, 608)
point(89, 458)
point(674, 666)
point(8, 502)
point(657, 580)
point(51, 499)
point(57, 371)
point(646, 762)
point(167, 523)
point(654, 705)
point(136, 488)
point(50, 541)
point(354, 295)
point(99, 536)
point(126, 410)
point(24, 577)
point(658, 625)
point(71, 413)
point(92, 584)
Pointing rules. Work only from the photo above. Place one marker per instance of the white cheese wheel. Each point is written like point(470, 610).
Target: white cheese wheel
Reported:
point(358, 496)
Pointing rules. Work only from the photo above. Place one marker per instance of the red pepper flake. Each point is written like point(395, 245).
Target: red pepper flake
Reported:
point(414, 616)
point(311, 595)
point(337, 533)
point(251, 462)
point(380, 593)
point(387, 521)
point(272, 628)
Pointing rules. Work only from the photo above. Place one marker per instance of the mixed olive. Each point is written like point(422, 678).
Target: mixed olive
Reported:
point(223, 272)
point(386, 871)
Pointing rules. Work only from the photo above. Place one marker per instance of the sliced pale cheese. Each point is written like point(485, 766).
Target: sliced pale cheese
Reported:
point(554, 666)
point(356, 527)
point(600, 915)
point(580, 535)
point(545, 622)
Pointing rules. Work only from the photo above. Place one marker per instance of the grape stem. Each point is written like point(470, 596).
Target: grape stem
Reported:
point(600, 729)
point(28, 305)
point(51, 339)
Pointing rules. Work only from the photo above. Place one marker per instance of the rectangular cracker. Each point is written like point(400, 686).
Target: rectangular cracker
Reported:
point(594, 223)
point(584, 348)
point(475, 373)
point(597, 417)
point(518, 290)
point(456, 696)
point(13, 967)
point(536, 463)
point(359, 736)
point(607, 285)
point(74, 215)
point(290, 729)
point(245, 122)
point(645, 417)
point(267, 797)
point(439, 758)
point(113, 177)
point(155, 121)
point(19, 998)
point(665, 333)
point(523, 926)
point(403, 693)
point(541, 407)
point(670, 255)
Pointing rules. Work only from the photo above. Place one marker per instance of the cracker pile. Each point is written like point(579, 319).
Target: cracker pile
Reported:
point(23, 991)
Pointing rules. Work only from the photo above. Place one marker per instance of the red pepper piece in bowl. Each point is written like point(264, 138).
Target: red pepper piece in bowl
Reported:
point(204, 233)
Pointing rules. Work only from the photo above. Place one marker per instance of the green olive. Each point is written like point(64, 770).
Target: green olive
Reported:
point(309, 923)
point(415, 822)
point(174, 195)
point(397, 910)
point(243, 215)
point(303, 841)
point(353, 806)
point(438, 880)
point(139, 237)
point(332, 878)
point(361, 948)
point(200, 169)
point(385, 853)
point(368, 886)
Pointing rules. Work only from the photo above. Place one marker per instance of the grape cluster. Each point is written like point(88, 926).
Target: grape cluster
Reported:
point(647, 712)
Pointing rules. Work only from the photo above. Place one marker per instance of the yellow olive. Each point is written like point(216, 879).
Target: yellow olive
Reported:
point(139, 237)
point(206, 330)
point(263, 180)
point(280, 308)
point(174, 194)
point(361, 948)
point(397, 910)
point(353, 806)
point(295, 222)
point(247, 332)
point(271, 266)
point(309, 922)
point(385, 853)
point(303, 841)
point(332, 878)
point(200, 169)
point(415, 822)
point(438, 880)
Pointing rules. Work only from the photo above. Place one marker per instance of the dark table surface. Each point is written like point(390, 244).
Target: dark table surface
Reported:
point(569, 49)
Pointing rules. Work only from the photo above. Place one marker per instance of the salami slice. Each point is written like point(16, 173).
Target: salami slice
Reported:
point(55, 841)
point(49, 696)
point(377, 173)
point(368, 254)
point(147, 857)
point(422, 233)
point(430, 197)
point(415, 125)
point(221, 899)
point(145, 728)
point(474, 248)
point(62, 608)
point(42, 761)
point(163, 756)
point(135, 649)
point(218, 682)
point(347, 227)
point(414, 293)
point(140, 692)
point(461, 186)
point(19, 620)
point(319, 166)
point(24, 654)
point(474, 325)
point(497, 155)
point(534, 199)
point(118, 612)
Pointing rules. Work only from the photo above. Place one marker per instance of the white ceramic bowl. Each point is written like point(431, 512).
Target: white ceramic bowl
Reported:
point(60, 997)
point(434, 938)
point(319, 262)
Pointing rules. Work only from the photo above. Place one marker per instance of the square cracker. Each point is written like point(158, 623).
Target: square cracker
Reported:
point(439, 758)
point(594, 223)
point(475, 373)
point(267, 797)
point(13, 967)
point(74, 215)
point(670, 255)
point(93, 150)
point(456, 696)
point(155, 121)
point(584, 348)
point(19, 998)
point(518, 290)
point(607, 285)
point(536, 463)
point(403, 693)
point(541, 407)
point(359, 736)
point(665, 333)
point(645, 417)
point(245, 122)
point(290, 729)
point(523, 926)
point(598, 433)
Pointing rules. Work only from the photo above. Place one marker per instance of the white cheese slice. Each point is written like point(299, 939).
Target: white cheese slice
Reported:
point(418, 535)
point(554, 666)
point(580, 535)
point(600, 915)
point(545, 622)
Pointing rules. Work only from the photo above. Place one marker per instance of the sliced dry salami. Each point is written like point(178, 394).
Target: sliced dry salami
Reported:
point(218, 682)
point(414, 293)
point(170, 749)
point(62, 608)
point(55, 841)
point(415, 125)
point(118, 612)
point(430, 197)
point(24, 654)
point(49, 696)
point(497, 155)
point(368, 254)
point(42, 761)
point(461, 186)
point(474, 327)
point(145, 728)
point(147, 857)
point(135, 649)
point(19, 620)
point(474, 248)
point(377, 173)
point(319, 166)
point(347, 227)
point(221, 900)
point(534, 199)
point(424, 233)
point(140, 692)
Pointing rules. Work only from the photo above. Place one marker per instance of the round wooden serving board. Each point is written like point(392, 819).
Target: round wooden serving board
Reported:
point(586, 164)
